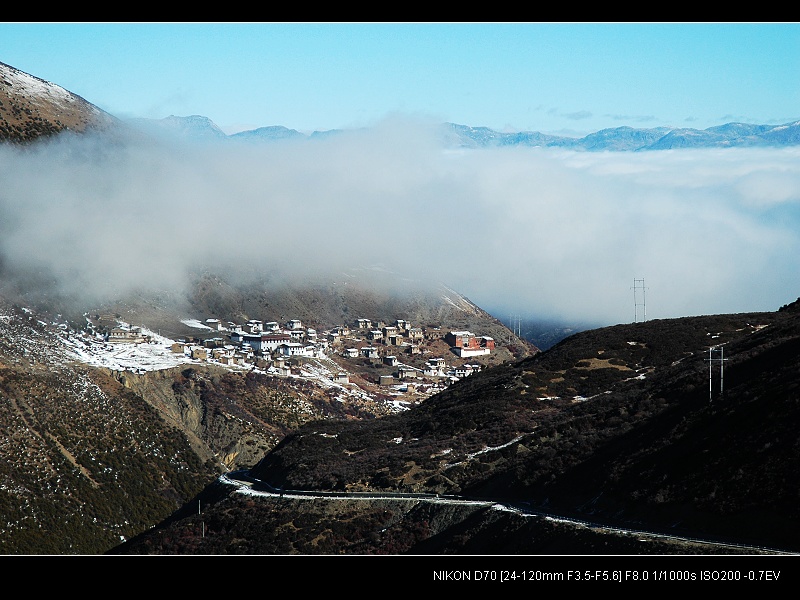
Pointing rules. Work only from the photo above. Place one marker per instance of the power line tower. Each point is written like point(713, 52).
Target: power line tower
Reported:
point(639, 303)
point(711, 360)
point(515, 324)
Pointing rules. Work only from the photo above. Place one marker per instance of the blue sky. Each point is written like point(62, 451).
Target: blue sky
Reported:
point(568, 78)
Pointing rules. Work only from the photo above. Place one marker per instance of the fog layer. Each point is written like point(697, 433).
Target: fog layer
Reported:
point(534, 232)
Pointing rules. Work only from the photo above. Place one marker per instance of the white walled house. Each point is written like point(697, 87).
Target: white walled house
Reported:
point(215, 324)
point(261, 342)
point(130, 335)
point(433, 370)
point(404, 372)
point(465, 371)
point(295, 349)
point(271, 341)
point(253, 326)
point(464, 352)
point(369, 352)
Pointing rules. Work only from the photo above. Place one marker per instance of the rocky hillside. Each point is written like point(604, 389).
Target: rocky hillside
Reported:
point(93, 455)
point(124, 446)
point(629, 426)
point(32, 108)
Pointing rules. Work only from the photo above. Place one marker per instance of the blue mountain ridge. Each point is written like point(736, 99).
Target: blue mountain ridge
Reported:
point(616, 139)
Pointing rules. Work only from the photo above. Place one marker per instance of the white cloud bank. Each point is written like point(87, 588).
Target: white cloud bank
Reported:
point(533, 232)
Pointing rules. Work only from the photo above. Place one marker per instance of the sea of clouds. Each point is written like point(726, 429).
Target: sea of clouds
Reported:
point(543, 233)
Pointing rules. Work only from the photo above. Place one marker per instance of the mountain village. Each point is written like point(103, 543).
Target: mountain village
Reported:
point(388, 358)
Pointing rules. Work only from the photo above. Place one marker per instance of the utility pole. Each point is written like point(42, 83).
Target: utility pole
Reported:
point(721, 360)
point(202, 523)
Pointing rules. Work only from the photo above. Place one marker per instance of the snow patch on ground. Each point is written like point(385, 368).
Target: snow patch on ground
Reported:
point(120, 356)
point(195, 323)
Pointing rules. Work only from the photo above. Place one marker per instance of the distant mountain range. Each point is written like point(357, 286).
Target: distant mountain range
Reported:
point(31, 107)
point(617, 139)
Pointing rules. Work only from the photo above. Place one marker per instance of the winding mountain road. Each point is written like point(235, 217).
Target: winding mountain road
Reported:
point(250, 485)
